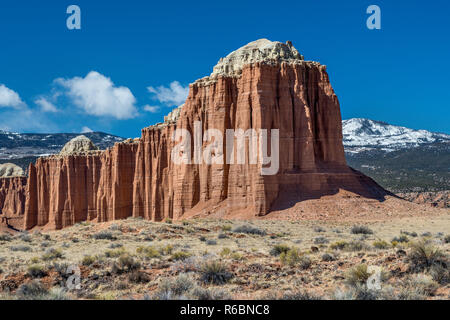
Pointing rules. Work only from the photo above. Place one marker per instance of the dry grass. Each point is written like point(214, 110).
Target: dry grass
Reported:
point(218, 259)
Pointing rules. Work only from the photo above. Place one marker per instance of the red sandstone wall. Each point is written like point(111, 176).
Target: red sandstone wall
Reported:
point(139, 179)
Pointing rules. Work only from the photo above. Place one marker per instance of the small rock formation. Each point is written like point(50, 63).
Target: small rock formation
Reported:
point(78, 145)
point(9, 170)
point(262, 50)
point(440, 199)
point(263, 85)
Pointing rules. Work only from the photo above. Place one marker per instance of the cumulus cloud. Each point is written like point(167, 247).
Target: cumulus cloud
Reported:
point(10, 98)
point(174, 95)
point(152, 109)
point(97, 95)
point(46, 106)
point(86, 130)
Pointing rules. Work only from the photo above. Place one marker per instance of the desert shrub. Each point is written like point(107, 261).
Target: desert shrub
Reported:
point(426, 234)
point(358, 275)
point(411, 234)
point(45, 244)
point(328, 257)
point(180, 255)
point(121, 285)
point(47, 237)
point(127, 263)
point(248, 229)
point(33, 290)
point(222, 236)
point(361, 230)
point(320, 240)
point(440, 273)
point(358, 292)
point(36, 271)
point(169, 289)
point(104, 235)
point(295, 258)
point(202, 238)
point(447, 239)
point(22, 248)
point(148, 252)
point(226, 227)
point(168, 220)
point(380, 244)
point(211, 242)
point(319, 229)
point(299, 295)
point(225, 252)
point(423, 256)
point(52, 254)
point(5, 237)
point(138, 276)
point(356, 246)
point(115, 253)
point(236, 256)
point(204, 294)
point(25, 237)
point(168, 249)
point(88, 260)
point(423, 283)
point(214, 272)
point(61, 269)
point(338, 245)
point(401, 239)
point(279, 249)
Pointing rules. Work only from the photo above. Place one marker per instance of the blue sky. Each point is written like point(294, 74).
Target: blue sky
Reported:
point(49, 75)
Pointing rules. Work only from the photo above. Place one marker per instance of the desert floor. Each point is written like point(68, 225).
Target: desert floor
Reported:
point(231, 259)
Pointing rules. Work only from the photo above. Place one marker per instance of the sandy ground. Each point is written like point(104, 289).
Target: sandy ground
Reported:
point(185, 247)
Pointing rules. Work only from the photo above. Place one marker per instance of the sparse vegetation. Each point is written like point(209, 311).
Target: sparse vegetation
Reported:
point(295, 262)
point(104, 235)
point(279, 249)
point(361, 230)
point(52, 254)
point(248, 229)
point(215, 272)
point(37, 271)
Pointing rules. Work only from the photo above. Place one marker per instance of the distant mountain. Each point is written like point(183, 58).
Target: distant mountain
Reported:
point(23, 148)
point(368, 135)
point(399, 158)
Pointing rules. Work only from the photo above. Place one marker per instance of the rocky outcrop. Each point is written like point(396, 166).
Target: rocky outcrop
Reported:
point(440, 199)
point(8, 170)
point(264, 85)
point(78, 145)
point(12, 201)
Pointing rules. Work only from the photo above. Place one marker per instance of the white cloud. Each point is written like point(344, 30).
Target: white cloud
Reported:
point(97, 95)
point(86, 130)
point(152, 109)
point(46, 105)
point(175, 95)
point(10, 98)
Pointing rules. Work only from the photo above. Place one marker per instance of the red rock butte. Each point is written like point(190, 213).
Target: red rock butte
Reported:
point(263, 85)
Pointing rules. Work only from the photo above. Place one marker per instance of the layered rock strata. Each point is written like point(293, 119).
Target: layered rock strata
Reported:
point(264, 85)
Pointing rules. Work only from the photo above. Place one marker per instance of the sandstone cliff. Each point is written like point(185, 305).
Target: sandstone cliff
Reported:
point(264, 85)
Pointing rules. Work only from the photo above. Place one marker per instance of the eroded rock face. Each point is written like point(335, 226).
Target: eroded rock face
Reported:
point(12, 201)
point(263, 85)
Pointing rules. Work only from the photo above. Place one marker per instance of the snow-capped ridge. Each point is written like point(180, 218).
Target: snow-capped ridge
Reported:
point(361, 134)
